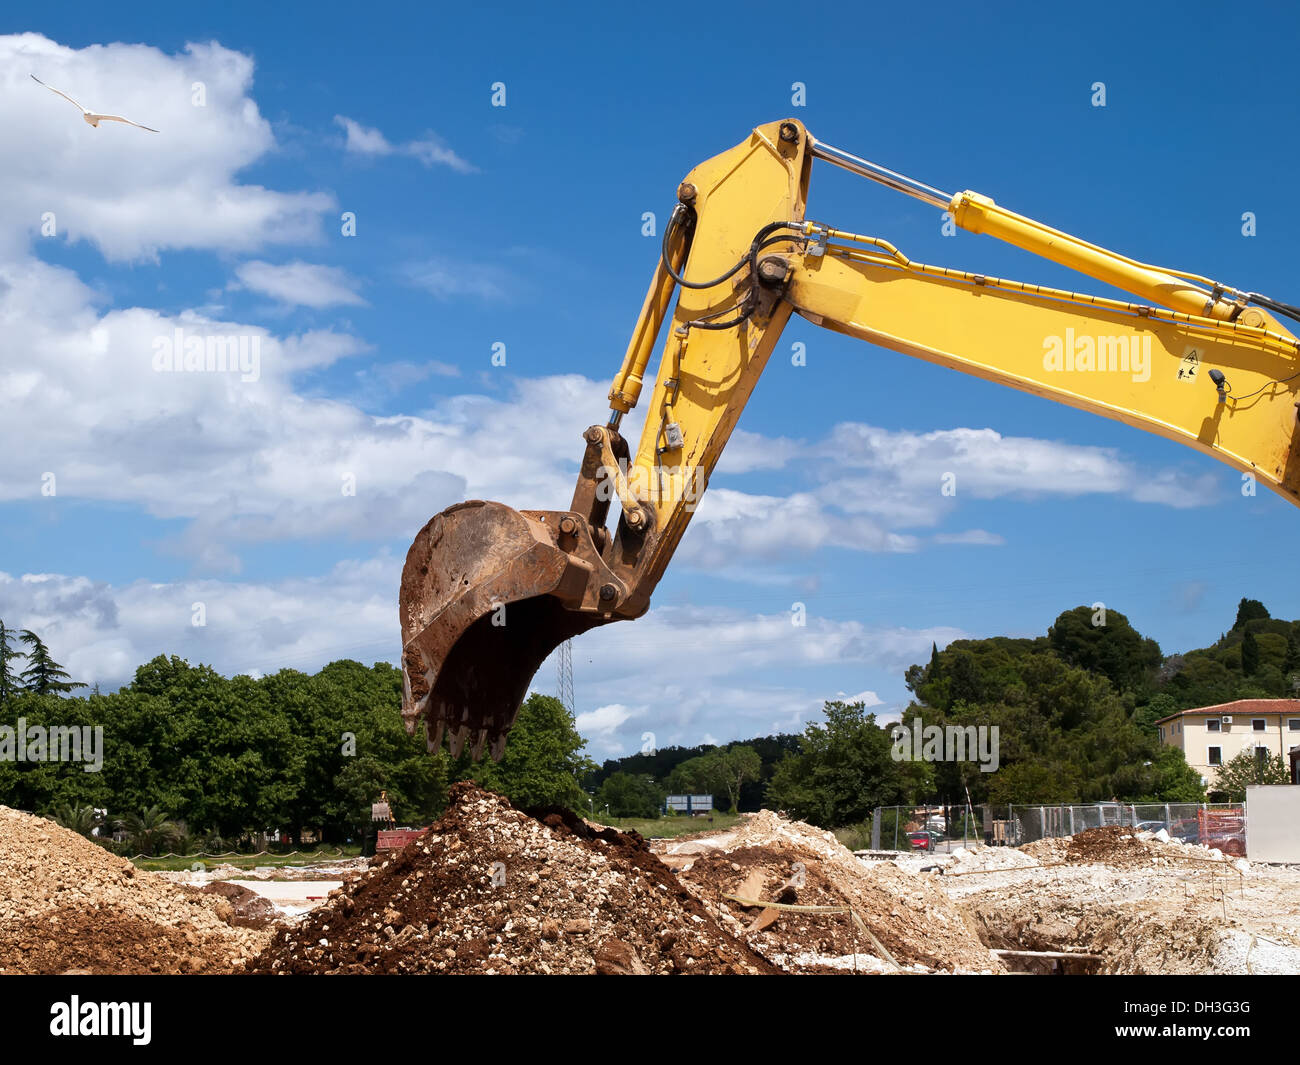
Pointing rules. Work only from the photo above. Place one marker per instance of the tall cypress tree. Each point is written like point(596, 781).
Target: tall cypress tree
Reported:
point(1249, 654)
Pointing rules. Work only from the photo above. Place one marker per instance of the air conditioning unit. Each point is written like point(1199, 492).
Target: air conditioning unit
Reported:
point(1227, 719)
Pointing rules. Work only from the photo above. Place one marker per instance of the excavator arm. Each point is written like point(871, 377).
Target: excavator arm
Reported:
point(488, 592)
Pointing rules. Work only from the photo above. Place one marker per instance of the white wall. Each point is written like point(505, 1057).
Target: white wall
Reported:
point(1273, 823)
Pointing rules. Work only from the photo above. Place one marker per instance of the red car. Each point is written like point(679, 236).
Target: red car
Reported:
point(923, 840)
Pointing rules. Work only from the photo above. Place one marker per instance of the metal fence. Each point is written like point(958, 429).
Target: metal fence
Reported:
point(902, 828)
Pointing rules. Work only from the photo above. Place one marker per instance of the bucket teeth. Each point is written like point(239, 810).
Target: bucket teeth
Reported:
point(476, 752)
point(458, 738)
point(498, 746)
point(435, 738)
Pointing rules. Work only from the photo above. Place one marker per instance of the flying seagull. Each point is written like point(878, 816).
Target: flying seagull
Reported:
point(89, 116)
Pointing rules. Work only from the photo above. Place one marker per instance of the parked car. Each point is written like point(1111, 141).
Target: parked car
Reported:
point(923, 839)
point(1150, 826)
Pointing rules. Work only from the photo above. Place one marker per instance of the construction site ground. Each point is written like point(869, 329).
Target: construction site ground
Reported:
point(491, 889)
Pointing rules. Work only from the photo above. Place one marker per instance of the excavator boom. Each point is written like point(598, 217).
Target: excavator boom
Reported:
point(488, 592)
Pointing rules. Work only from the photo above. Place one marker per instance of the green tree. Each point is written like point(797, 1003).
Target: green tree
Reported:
point(1249, 610)
point(691, 775)
point(543, 761)
point(1249, 654)
point(1249, 767)
point(1161, 705)
point(1103, 641)
point(729, 770)
point(630, 795)
point(10, 680)
point(43, 675)
point(844, 769)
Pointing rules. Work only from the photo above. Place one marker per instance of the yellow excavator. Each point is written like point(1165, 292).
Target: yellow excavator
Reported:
point(488, 592)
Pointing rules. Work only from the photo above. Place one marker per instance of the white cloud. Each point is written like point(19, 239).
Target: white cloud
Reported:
point(971, 537)
point(133, 194)
point(254, 461)
point(866, 698)
point(299, 284)
point(101, 633)
point(605, 718)
point(431, 150)
point(988, 465)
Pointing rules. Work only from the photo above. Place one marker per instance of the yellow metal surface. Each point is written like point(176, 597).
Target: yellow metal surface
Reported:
point(1120, 364)
point(762, 180)
point(979, 214)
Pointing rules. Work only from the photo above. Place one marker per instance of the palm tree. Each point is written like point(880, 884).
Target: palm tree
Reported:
point(79, 819)
point(149, 828)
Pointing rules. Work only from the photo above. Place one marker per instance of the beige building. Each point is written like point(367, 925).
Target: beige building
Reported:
point(1210, 736)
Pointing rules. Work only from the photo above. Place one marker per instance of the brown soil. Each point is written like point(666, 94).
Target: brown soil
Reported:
point(1108, 846)
point(248, 908)
point(492, 889)
point(67, 904)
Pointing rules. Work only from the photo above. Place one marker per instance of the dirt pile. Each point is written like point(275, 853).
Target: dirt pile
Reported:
point(491, 889)
point(1111, 845)
point(66, 904)
point(902, 920)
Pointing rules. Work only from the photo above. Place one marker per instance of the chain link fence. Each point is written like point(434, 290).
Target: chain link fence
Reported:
point(933, 828)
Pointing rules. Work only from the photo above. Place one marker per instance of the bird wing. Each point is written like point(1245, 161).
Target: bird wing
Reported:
point(118, 118)
point(63, 94)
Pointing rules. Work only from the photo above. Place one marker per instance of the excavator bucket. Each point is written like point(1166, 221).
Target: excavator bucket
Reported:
point(486, 596)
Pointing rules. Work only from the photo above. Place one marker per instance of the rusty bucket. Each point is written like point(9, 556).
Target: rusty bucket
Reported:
point(486, 596)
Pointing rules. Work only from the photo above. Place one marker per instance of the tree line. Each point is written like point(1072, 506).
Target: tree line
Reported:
point(223, 759)
point(1075, 710)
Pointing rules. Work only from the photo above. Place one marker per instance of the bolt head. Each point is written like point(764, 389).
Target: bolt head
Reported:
point(789, 132)
point(607, 592)
point(686, 192)
point(568, 525)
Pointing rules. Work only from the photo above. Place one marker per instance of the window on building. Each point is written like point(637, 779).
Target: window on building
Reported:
point(1214, 756)
point(1293, 724)
point(1162, 734)
point(1258, 724)
point(1213, 724)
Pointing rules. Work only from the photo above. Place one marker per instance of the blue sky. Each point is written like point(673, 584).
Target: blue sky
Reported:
point(521, 225)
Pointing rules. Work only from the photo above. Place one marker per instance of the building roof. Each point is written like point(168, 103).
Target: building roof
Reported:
point(1244, 707)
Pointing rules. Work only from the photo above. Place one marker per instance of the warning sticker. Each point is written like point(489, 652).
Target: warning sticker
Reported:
point(1191, 363)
